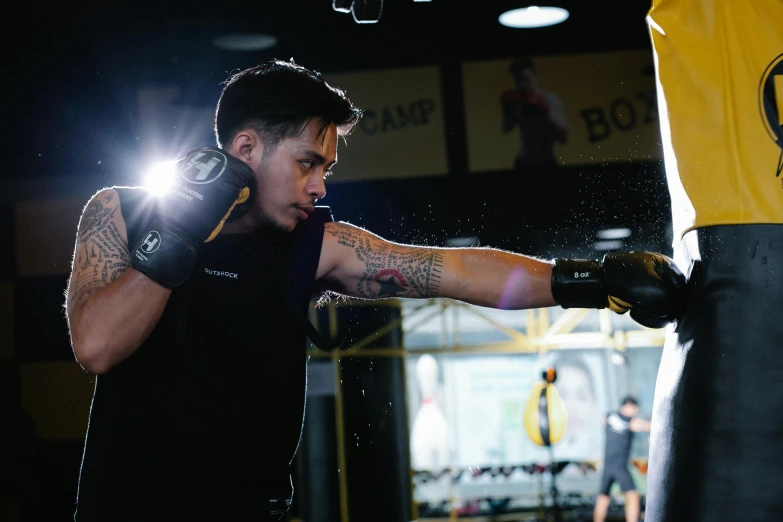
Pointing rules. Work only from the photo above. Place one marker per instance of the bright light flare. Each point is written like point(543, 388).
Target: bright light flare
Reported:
point(160, 177)
point(533, 16)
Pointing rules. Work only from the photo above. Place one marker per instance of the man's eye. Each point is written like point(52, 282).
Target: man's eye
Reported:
point(308, 164)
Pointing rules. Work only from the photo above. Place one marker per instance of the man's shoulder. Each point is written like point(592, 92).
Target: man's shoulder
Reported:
point(613, 418)
point(135, 205)
point(130, 190)
point(113, 191)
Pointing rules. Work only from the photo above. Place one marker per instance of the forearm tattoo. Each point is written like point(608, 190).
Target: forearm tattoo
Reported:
point(392, 270)
point(101, 252)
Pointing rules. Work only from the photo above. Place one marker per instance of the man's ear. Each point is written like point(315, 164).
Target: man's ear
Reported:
point(246, 145)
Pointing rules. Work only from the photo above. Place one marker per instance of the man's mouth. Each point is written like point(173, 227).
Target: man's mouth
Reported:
point(304, 212)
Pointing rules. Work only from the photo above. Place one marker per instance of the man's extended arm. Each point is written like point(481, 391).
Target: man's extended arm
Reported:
point(638, 425)
point(355, 262)
point(366, 266)
point(111, 308)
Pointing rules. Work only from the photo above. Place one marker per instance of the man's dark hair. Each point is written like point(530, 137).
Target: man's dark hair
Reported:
point(523, 63)
point(278, 99)
point(630, 400)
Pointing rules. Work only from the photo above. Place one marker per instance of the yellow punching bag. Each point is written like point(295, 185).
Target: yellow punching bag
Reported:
point(545, 416)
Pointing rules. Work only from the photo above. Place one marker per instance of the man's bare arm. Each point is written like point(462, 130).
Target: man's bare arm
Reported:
point(111, 308)
point(101, 253)
point(639, 425)
point(358, 263)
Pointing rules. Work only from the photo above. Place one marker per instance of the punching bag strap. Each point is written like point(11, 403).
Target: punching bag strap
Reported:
point(543, 416)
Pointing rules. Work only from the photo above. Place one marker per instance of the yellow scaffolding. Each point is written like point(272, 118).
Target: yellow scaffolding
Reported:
point(541, 335)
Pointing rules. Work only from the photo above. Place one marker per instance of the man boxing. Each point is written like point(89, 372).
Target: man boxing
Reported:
point(189, 307)
point(620, 427)
point(538, 114)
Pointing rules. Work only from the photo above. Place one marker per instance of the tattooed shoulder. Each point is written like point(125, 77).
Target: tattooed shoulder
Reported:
point(101, 252)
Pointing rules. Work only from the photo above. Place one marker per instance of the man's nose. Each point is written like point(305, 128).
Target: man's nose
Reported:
point(317, 187)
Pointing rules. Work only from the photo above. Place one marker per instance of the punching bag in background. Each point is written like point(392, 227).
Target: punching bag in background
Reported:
point(374, 423)
point(545, 418)
point(717, 426)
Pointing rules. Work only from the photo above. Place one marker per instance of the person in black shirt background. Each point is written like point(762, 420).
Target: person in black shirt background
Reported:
point(620, 428)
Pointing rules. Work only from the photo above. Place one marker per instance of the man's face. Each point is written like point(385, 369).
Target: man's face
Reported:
point(630, 410)
point(291, 180)
point(525, 80)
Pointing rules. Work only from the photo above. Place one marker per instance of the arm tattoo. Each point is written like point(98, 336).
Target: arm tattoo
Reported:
point(101, 253)
point(392, 270)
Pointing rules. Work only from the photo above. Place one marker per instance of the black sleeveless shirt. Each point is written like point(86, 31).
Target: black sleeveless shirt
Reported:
point(618, 440)
point(203, 420)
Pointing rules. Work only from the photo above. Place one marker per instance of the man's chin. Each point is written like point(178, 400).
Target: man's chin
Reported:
point(275, 227)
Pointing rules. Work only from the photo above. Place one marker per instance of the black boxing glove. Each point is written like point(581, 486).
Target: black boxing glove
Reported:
point(648, 284)
point(209, 185)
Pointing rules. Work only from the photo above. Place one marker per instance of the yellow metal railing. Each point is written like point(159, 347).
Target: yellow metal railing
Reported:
point(541, 335)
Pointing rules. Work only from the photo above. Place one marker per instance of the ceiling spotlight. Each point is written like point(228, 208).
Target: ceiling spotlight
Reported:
point(364, 11)
point(342, 6)
point(533, 16)
point(245, 42)
point(614, 233)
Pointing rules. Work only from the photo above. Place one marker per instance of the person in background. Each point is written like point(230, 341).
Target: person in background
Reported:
point(537, 113)
point(620, 428)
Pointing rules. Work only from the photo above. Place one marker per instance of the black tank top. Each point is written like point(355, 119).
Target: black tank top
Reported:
point(618, 439)
point(203, 420)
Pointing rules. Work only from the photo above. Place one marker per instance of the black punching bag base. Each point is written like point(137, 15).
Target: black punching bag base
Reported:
point(716, 449)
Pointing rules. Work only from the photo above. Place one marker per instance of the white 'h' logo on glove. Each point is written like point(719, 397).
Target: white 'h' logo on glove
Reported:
point(208, 170)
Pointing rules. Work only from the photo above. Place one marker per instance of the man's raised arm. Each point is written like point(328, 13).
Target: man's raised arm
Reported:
point(111, 308)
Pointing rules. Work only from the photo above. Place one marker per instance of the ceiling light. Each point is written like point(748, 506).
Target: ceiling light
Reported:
point(245, 42)
point(614, 233)
point(533, 16)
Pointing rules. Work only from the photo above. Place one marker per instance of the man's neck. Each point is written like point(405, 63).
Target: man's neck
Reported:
point(242, 225)
point(251, 223)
